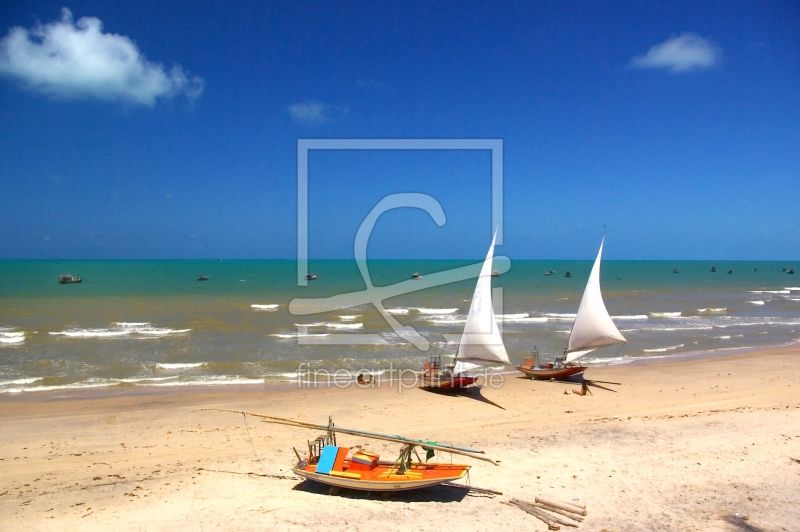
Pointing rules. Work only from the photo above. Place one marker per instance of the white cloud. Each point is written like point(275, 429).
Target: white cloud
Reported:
point(310, 111)
point(687, 52)
point(77, 60)
point(314, 112)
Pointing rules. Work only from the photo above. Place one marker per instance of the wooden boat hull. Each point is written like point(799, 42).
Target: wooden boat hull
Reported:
point(552, 373)
point(446, 383)
point(385, 477)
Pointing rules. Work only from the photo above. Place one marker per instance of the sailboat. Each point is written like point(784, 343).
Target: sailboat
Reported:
point(591, 330)
point(328, 463)
point(481, 344)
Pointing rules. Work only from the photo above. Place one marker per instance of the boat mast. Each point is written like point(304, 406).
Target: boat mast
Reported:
point(465, 451)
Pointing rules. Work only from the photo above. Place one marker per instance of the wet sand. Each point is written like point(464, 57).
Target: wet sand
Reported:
point(680, 445)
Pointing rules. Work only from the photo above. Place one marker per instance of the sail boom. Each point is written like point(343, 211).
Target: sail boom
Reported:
point(599, 342)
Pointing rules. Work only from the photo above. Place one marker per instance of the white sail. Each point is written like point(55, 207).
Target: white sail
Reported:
point(481, 343)
point(593, 327)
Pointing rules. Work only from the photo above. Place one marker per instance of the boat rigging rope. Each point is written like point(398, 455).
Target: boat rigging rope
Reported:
point(615, 354)
point(269, 473)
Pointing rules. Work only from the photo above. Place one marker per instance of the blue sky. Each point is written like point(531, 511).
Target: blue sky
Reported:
point(152, 130)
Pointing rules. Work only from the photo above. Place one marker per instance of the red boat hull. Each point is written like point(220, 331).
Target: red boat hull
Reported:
point(446, 383)
point(552, 373)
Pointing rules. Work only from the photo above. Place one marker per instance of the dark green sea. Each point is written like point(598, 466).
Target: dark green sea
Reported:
point(152, 323)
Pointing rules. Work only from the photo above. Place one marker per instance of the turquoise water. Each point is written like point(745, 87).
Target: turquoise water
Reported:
point(134, 323)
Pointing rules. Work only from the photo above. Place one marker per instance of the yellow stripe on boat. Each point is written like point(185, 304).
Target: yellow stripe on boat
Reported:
point(345, 474)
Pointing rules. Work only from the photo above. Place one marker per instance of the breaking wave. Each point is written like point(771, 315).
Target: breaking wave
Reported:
point(187, 365)
point(786, 291)
point(287, 336)
point(121, 330)
point(332, 325)
point(665, 314)
point(265, 307)
point(663, 349)
point(9, 336)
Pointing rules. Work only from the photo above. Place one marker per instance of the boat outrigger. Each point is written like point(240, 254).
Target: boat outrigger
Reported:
point(481, 344)
point(591, 330)
point(328, 463)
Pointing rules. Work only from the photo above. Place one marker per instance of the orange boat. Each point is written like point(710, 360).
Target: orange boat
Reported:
point(331, 464)
point(381, 476)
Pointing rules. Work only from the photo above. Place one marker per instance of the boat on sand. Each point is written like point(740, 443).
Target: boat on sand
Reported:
point(481, 344)
point(591, 330)
point(334, 465)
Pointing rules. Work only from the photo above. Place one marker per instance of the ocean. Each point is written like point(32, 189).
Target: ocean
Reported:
point(152, 323)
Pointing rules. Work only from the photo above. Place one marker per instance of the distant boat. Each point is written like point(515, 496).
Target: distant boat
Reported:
point(311, 276)
point(549, 272)
point(202, 277)
point(713, 269)
point(755, 269)
point(730, 271)
point(416, 275)
point(495, 273)
point(69, 279)
point(674, 270)
point(591, 330)
point(478, 347)
point(567, 274)
point(790, 271)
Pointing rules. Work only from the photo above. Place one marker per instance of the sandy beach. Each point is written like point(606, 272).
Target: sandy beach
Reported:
point(682, 445)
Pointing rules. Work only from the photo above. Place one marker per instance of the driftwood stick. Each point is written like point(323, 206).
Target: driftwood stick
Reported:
point(567, 506)
point(550, 524)
point(557, 511)
point(530, 508)
point(573, 503)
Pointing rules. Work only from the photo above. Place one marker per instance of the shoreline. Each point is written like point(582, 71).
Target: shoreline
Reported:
point(127, 389)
